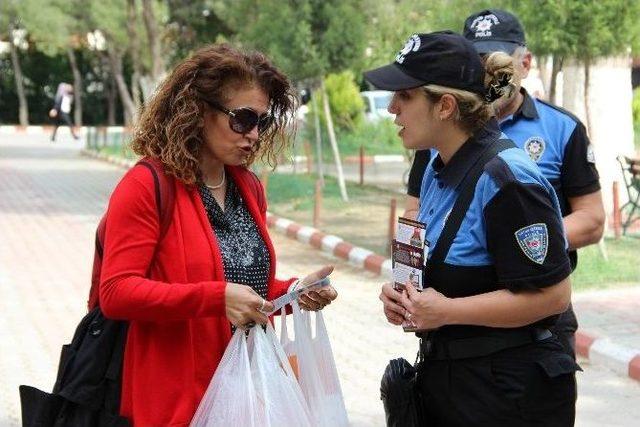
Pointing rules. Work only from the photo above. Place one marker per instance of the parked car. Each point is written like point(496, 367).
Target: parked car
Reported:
point(375, 104)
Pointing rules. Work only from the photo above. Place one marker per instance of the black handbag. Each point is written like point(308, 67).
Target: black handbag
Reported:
point(87, 388)
point(400, 394)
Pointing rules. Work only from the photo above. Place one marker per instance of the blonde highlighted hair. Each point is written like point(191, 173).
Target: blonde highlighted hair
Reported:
point(474, 111)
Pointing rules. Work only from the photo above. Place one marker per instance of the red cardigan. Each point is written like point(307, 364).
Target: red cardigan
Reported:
point(174, 302)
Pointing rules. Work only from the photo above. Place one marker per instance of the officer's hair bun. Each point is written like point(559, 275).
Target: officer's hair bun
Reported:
point(499, 76)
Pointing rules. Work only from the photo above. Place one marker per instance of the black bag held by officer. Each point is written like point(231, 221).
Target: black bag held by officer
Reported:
point(89, 378)
point(400, 395)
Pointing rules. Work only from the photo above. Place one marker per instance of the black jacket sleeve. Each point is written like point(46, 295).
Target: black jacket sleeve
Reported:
point(579, 175)
point(525, 237)
point(419, 165)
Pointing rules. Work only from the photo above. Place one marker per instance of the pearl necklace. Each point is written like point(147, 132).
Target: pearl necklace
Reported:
point(215, 187)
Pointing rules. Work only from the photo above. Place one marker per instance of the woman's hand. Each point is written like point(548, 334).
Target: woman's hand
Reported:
point(242, 305)
point(317, 299)
point(427, 309)
point(391, 301)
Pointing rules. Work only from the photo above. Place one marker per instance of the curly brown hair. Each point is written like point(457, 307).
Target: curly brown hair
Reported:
point(171, 126)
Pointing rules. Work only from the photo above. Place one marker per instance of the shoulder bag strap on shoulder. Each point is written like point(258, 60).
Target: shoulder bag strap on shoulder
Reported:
point(164, 193)
point(462, 203)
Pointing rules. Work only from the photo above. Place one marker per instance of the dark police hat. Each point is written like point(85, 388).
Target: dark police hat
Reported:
point(494, 30)
point(441, 58)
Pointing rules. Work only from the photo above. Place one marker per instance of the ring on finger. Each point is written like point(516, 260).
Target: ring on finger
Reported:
point(408, 316)
point(264, 301)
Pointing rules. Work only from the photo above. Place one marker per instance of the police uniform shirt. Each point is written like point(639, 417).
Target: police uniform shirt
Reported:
point(554, 139)
point(513, 225)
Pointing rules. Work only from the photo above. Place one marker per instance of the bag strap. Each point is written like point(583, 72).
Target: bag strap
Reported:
point(165, 193)
point(462, 203)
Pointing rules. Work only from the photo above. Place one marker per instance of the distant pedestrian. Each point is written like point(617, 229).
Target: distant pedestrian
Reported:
point(61, 110)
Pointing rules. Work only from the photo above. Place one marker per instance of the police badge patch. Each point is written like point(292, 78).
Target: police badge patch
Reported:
point(534, 147)
point(534, 241)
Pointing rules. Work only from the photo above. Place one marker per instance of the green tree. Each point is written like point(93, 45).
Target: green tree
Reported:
point(109, 19)
point(308, 39)
point(191, 24)
point(9, 31)
point(150, 10)
point(57, 27)
point(344, 100)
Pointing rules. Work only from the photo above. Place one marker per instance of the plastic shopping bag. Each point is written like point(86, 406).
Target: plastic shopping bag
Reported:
point(230, 398)
point(317, 371)
point(278, 393)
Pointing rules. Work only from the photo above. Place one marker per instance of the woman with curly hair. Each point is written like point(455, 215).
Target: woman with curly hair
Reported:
point(184, 288)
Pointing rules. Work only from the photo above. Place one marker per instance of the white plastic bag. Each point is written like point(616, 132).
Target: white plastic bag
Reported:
point(317, 372)
point(278, 393)
point(230, 398)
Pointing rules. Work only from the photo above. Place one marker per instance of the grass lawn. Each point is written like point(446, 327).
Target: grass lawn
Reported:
point(622, 268)
point(119, 151)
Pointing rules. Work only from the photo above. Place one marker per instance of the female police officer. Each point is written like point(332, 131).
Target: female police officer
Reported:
point(497, 269)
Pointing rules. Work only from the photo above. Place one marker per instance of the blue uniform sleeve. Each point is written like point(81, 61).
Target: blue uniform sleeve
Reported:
point(525, 237)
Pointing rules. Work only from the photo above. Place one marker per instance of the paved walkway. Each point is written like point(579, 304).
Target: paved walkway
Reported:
point(613, 313)
point(50, 201)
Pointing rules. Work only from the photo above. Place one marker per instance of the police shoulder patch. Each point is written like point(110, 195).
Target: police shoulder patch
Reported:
point(534, 241)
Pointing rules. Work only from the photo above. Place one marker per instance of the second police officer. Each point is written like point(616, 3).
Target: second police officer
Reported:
point(497, 273)
point(554, 138)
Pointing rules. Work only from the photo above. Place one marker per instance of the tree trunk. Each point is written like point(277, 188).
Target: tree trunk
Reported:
point(316, 119)
point(587, 110)
point(77, 87)
point(157, 62)
point(609, 118)
point(334, 143)
point(573, 88)
point(545, 75)
point(556, 67)
point(115, 62)
point(23, 108)
point(132, 18)
point(112, 94)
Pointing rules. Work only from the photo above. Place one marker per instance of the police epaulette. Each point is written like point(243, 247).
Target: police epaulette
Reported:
point(560, 109)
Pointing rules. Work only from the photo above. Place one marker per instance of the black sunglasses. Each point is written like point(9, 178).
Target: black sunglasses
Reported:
point(242, 120)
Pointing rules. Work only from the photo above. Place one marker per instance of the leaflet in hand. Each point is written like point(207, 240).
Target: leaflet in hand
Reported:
point(409, 253)
point(288, 298)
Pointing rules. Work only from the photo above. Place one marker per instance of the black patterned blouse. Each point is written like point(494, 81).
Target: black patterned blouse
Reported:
point(244, 254)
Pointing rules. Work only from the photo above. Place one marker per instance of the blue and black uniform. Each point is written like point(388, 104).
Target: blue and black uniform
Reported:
point(557, 142)
point(494, 223)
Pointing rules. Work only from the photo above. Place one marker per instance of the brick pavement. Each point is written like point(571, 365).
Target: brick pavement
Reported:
point(50, 201)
